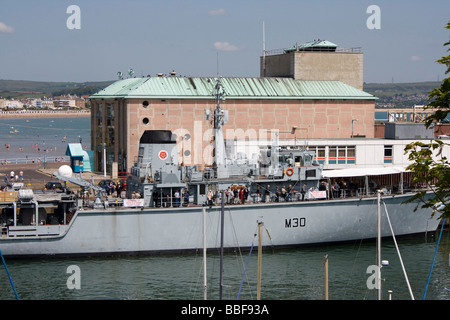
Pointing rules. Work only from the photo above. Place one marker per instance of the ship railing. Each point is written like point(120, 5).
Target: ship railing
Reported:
point(299, 49)
point(35, 160)
point(167, 201)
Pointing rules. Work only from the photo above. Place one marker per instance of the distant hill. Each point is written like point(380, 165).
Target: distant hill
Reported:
point(23, 89)
point(401, 95)
point(389, 94)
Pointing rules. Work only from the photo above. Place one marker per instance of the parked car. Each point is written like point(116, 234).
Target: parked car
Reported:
point(53, 186)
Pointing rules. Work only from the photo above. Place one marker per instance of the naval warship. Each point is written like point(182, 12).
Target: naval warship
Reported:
point(170, 207)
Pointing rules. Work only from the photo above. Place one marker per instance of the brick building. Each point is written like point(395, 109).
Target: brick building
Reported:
point(317, 108)
point(315, 60)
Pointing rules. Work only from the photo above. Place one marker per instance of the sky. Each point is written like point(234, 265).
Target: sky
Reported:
point(47, 40)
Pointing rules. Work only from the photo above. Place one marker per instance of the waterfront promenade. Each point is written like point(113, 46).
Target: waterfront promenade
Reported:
point(44, 113)
point(35, 175)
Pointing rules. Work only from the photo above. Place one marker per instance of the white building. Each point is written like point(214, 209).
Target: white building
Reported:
point(47, 104)
point(348, 153)
point(13, 104)
point(64, 103)
point(341, 153)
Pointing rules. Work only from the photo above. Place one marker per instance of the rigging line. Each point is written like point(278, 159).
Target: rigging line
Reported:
point(10, 280)
point(246, 265)
point(353, 268)
point(236, 239)
point(194, 288)
point(199, 274)
point(434, 259)
point(245, 271)
point(398, 251)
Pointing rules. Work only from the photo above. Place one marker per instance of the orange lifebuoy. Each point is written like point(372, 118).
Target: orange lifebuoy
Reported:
point(289, 171)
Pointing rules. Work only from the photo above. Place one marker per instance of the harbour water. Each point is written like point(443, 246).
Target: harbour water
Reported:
point(290, 274)
point(26, 139)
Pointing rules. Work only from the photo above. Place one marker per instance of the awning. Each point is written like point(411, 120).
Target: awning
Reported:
point(361, 172)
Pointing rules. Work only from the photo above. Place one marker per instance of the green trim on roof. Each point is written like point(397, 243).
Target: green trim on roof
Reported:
point(235, 88)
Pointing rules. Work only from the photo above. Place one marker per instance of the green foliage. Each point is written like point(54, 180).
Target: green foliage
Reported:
point(430, 166)
point(440, 97)
point(36, 89)
point(431, 169)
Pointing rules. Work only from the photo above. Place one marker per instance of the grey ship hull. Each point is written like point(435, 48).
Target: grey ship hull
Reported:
point(152, 230)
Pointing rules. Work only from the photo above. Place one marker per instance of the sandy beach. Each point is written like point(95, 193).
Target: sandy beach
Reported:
point(44, 114)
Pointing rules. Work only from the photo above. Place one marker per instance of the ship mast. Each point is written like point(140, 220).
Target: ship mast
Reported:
point(219, 118)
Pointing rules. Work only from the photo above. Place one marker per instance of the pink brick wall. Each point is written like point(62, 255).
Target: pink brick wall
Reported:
point(313, 118)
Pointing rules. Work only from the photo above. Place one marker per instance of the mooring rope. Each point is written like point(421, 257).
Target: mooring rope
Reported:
point(9, 276)
point(434, 258)
point(245, 270)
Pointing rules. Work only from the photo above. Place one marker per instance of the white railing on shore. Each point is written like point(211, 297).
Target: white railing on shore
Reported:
point(31, 112)
point(35, 160)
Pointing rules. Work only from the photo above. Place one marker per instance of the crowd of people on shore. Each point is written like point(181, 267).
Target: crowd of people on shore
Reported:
point(14, 177)
point(11, 178)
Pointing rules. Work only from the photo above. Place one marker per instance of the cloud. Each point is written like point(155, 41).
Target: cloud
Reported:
point(415, 58)
point(5, 29)
point(218, 12)
point(225, 46)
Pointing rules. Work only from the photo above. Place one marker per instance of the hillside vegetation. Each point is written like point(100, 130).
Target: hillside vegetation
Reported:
point(390, 95)
point(16, 89)
point(400, 95)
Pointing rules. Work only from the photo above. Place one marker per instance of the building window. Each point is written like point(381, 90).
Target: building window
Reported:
point(332, 155)
point(320, 152)
point(351, 155)
point(342, 159)
point(110, 138)
point(338, 155)
point(387, 154)
point(425, 147)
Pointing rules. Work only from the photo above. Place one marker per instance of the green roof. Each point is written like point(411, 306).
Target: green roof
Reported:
point(173, 87)
point(316, 44)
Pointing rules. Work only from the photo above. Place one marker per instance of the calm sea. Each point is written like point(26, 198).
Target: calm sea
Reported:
point(34, 138)
point(293, 274)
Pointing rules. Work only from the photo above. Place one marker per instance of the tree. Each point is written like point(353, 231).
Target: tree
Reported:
point(429, 165)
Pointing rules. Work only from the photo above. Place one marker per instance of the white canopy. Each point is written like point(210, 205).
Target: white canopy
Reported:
point(361, 172)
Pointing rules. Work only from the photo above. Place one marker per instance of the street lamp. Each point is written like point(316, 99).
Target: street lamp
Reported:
point(353, 120)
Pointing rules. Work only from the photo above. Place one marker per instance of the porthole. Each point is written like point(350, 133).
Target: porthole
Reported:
point(145, 121)
point(145, 104)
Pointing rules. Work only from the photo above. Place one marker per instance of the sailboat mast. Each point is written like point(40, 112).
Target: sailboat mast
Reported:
point(260, 224)
point(219, 119)
point(222, 211)
point(379, 243)
point(205, 288)
point(264, 51)
point(326, 276)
